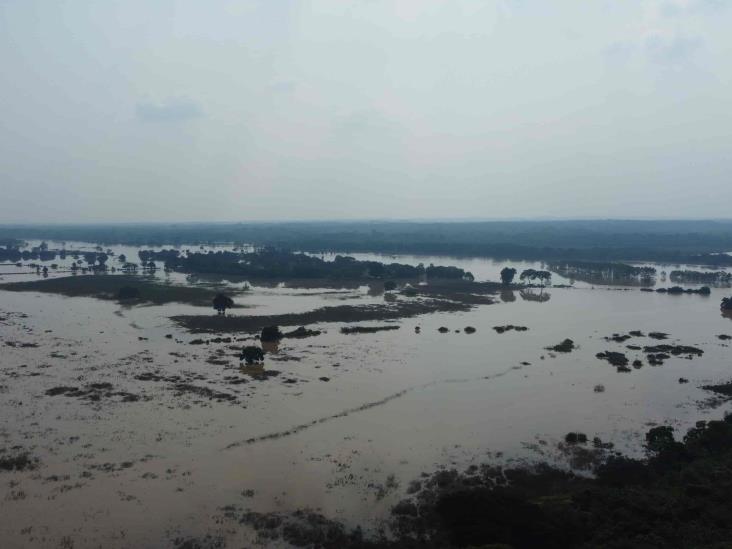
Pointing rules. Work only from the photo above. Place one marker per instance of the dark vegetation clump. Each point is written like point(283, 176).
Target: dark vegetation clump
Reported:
point(675, 350)
point(270, 333)
point(704, 290)
point(618, 338)
point(597, 272)
point(301, 332)
point(566, 346)
point(272, 263)
point(677, 497)
point(93, 392)
point(724, 389)
point(469, 330)
point(17, 462)
point(575, 438)
point(714, 278)
point(614, 358)
point(507, 274)
point(657, 359)
point(508, 328)
point(252, 354)
point(366, 329)
point(221, 302)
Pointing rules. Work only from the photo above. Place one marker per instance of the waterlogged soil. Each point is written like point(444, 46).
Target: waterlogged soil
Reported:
point(342, 313)
point(103, 286)
point(117, 431)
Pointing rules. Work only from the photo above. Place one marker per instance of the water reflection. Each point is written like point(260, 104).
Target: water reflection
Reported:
point(271, 346)
point(530, 294)
point(507, 295)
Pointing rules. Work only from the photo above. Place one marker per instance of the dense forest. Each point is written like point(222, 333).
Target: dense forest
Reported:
point(273, 264)
point(607, 240)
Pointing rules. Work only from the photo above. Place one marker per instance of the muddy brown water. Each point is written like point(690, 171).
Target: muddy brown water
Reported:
point(395, 404)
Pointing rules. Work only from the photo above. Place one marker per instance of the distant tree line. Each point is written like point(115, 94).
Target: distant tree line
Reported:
point(694, 242)
point(698, 277)
point(603, 272)
point(271, 263)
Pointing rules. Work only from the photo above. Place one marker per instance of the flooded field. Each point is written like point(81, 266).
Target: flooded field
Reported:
point(139, 433)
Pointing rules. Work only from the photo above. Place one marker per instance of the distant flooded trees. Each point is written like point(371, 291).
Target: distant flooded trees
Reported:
point(274, 264)
point(507, 274)
point(698, 277)
point(532, 274)
point(726, 304)
point(603, 272)
point(222, 302)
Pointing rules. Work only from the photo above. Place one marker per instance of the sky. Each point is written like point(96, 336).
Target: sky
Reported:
point(133, 110)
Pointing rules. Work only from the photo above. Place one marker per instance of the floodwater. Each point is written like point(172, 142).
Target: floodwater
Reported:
point(343, 429)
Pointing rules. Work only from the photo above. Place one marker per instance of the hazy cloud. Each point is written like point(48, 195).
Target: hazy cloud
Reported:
point(322, 108)
point(671, 49)
point(686, 7)
point(170, 110)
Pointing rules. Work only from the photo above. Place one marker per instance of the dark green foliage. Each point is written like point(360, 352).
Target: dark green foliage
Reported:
point(507, 274)
point(701, 277)
point(270, 333)
point(275, 264)
point(252, 355)
point(532, 274)
point(659, 438)
point(603, 272)
point(678, 497)
point(566, 346)
point(222, 302)
point(17, 462)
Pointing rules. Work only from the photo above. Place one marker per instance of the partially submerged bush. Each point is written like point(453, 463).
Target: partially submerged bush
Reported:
point(252, 355)
point(270, 333)
point(575, 438)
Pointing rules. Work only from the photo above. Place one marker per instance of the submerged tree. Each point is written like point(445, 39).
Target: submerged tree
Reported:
point(270, 333)
point(222, 302)
point(252, 355)
point(532, 274)
point(507, 274)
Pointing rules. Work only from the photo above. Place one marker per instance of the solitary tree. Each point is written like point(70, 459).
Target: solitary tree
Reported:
point(507, 274)
point(222, 302)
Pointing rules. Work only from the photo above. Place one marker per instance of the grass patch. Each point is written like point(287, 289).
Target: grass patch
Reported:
point(108, 287)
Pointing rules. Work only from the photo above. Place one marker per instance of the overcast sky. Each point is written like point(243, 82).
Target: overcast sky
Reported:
point(274, 109)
